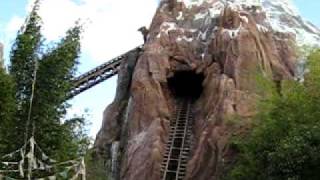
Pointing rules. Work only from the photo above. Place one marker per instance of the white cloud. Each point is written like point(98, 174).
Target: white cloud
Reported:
point(10, 29)
point(14, 24)
point(8, 33)
point(111, 25)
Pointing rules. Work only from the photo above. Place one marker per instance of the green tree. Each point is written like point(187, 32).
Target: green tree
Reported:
point(42, 78)
point(285, 144)
point(56, 70)
point(7, 109)
point(95, 167)
point(23, 57)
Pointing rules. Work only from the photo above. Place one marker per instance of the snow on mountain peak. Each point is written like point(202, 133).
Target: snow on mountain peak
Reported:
point(279, 6)
point(282, 15)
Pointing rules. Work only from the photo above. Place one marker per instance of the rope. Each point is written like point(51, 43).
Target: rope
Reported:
point(26, 138)
point(29, 120)
point(19, 168)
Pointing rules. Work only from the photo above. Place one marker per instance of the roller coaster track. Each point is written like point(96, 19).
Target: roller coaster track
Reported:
point(178, 147)
point(98, 74)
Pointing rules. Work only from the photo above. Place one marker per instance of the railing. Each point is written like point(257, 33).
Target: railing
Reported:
point(98, 74)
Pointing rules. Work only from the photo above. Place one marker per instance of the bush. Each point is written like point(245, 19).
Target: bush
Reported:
point(285, 144)
point(95, 167)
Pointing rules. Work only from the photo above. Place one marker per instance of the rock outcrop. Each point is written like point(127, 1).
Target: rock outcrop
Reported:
point(230, 44)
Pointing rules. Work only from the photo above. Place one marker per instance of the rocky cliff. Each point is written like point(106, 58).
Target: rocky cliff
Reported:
point(230, 44)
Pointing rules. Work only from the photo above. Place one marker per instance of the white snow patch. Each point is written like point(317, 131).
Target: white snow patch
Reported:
point(245, 3)
point(262, 28)
point(244, 19)
point(312, 27)
point(190, 3)
point(180, 16)
point(286, 5)
point(168, 26)
point(200, 16)
point(184, 38)
point(277, 12)
point(216, 9)
point(139, 138)
point(203, 35)
point(233, 33)
point(202, 56)
point(303, 37)
point(193, 30)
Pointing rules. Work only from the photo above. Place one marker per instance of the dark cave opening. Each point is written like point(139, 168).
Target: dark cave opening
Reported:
point(186, 84)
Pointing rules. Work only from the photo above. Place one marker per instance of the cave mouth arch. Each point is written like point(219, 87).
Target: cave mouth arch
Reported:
point(186, 84)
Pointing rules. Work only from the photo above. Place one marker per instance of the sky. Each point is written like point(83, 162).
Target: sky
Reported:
point(110, 30)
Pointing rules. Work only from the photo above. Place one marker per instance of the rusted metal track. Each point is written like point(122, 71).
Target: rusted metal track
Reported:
point(98, 74)
point(178, 146)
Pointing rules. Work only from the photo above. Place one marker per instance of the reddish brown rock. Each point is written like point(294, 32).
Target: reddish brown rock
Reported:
point(230, 48)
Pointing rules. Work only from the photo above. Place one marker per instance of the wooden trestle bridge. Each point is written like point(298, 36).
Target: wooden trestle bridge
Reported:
point(179, 143)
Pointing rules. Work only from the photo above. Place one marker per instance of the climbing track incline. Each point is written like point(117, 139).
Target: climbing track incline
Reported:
point(98, 74)
point(178, 147)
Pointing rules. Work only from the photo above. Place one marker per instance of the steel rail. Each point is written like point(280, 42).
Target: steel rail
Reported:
point(175, 159)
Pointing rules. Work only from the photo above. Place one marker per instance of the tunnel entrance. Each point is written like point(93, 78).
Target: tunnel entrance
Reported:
point(186, 84)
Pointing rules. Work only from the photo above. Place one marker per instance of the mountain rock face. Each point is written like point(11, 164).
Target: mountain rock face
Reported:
point(230, 44)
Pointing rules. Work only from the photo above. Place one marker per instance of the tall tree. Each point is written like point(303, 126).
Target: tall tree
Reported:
point(23, 57)
point(7, 109)
point(56, 70)
point(42, 81)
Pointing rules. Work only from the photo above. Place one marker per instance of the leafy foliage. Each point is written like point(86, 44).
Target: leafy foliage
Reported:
point(95, 167)
point(56, 69)
point(7, 107)
point(52, 81)
point(23, 57)
point(285, 143)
